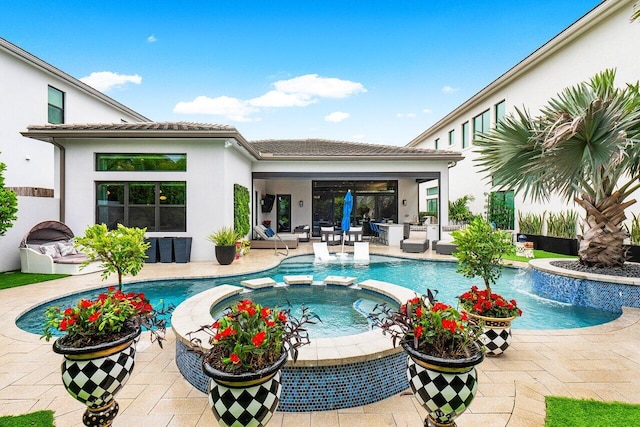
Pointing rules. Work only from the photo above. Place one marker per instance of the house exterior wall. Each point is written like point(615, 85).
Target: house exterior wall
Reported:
point(603, 39)
point(211, 172)
point(32, 164)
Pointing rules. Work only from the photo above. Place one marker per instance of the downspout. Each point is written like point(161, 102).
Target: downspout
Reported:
point(62, 178)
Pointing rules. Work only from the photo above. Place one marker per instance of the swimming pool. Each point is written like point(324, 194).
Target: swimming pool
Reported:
point(417, 275)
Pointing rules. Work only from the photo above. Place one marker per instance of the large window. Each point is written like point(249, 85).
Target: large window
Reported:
point(432, 201)
point(128, 162)
point(56, 106)
point(481, 123)
point(158, 206)
point(452, 137)
point(465, 135)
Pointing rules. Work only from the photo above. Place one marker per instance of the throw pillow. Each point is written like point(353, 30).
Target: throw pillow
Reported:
point(66, 248)
point(50, 250)
point(269, 232)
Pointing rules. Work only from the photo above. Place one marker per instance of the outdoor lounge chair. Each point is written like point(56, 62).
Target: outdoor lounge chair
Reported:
point(417, 242)
point(361, 251)
point(330, 236)
point(285, 239)
point(321, 251)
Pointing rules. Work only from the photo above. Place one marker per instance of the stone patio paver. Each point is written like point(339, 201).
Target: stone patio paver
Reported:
point(599, 362)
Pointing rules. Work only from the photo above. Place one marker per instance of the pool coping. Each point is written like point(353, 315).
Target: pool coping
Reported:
point(544, 264)
point(194, 312)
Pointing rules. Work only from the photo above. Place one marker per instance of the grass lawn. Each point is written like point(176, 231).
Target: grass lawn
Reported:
point(40, 419)
point(563, 411)
point(11, 279)
point(537, 254)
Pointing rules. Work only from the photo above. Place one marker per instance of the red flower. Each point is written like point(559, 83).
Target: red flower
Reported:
point(450, 325)
point(270, 323)
point(419, 311)
point(227, 332)
point(282, 317)
point(440, 307)
point(235, 359)
point(85, 303)
point(63, 325)
point(258, 338)
point(94, 316)
point(265, 312)
point(417, 332)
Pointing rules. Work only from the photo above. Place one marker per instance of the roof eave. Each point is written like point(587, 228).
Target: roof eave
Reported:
point(435, 157)
point(25, 56)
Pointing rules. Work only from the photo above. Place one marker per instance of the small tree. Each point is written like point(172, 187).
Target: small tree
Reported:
point(120, 251)
point(8, 204)
point(479, 249)
point(459, 209)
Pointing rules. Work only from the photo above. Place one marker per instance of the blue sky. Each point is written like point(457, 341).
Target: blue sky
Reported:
point(374, 71)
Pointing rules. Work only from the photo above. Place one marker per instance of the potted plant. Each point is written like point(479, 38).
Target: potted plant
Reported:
point(480, 248)
point(443, 350)
point(99, 338)
point(245, 350)
point(225, 240)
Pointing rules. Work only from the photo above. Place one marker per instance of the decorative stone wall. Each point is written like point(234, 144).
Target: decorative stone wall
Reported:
point(320, 388)
point(586, 292)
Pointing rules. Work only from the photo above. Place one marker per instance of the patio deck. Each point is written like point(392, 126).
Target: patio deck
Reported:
point(599, 362)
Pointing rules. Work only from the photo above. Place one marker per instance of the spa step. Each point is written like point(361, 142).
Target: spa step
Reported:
point(298, 280)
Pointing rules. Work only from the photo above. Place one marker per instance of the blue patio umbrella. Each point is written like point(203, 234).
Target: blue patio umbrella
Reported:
point(346, 216)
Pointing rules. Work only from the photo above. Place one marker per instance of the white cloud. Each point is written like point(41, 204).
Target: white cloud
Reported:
point(152, 39)
point(296, 92)
point(324, 87)
point(275, 98)
point(232, 108)
point(427, 111)
point(449, 89)
point(336, 117)
point(106, 80)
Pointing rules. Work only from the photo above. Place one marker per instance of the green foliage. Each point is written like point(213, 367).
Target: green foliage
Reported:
point(225, 236)
point(241, 209)
point(120, 251)
point(531, 223)
point(479, 249)
point(634, 234)
point(581, 143)
point(562, 224)
point(459, 210)
point(564, 411)
point(8, 204)
point(38, 418)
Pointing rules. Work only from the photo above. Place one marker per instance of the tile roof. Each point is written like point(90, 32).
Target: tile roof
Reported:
point(137, 126)
point(322, 148)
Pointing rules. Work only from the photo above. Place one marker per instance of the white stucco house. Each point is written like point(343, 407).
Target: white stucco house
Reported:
point(36, 92)
point(177, 179)
point(601, 39)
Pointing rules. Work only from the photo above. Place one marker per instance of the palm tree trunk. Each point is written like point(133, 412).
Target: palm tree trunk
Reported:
point(602, 243)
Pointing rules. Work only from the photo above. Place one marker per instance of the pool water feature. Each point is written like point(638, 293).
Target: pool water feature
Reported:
point(417, 275)
point(341, 311)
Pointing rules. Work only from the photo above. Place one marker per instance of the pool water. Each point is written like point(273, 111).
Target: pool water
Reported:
point(342, 311)
point(417, 275)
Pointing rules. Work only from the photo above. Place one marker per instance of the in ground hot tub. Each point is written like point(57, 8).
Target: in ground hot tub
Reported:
point(330, 373)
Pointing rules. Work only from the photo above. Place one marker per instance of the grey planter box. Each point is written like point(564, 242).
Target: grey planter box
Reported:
point(165, 247)
point(182, 249)
point(152, 252)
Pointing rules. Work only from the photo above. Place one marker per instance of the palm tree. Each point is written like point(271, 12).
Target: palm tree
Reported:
point(585, 146)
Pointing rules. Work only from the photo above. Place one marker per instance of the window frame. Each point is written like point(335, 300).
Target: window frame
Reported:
point(452, 137)
point(58, 108)
point(465, 134)
point(126, 205)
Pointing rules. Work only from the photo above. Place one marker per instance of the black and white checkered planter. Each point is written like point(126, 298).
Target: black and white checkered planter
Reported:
point(245, 400)
point(93, 375)
point(444, 387)
point(496, 333)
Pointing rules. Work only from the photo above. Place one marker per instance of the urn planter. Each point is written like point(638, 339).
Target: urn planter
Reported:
point(225, 254)
point(246, 399)
point(444, 387)
point(496, 333)
point(93, 375)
